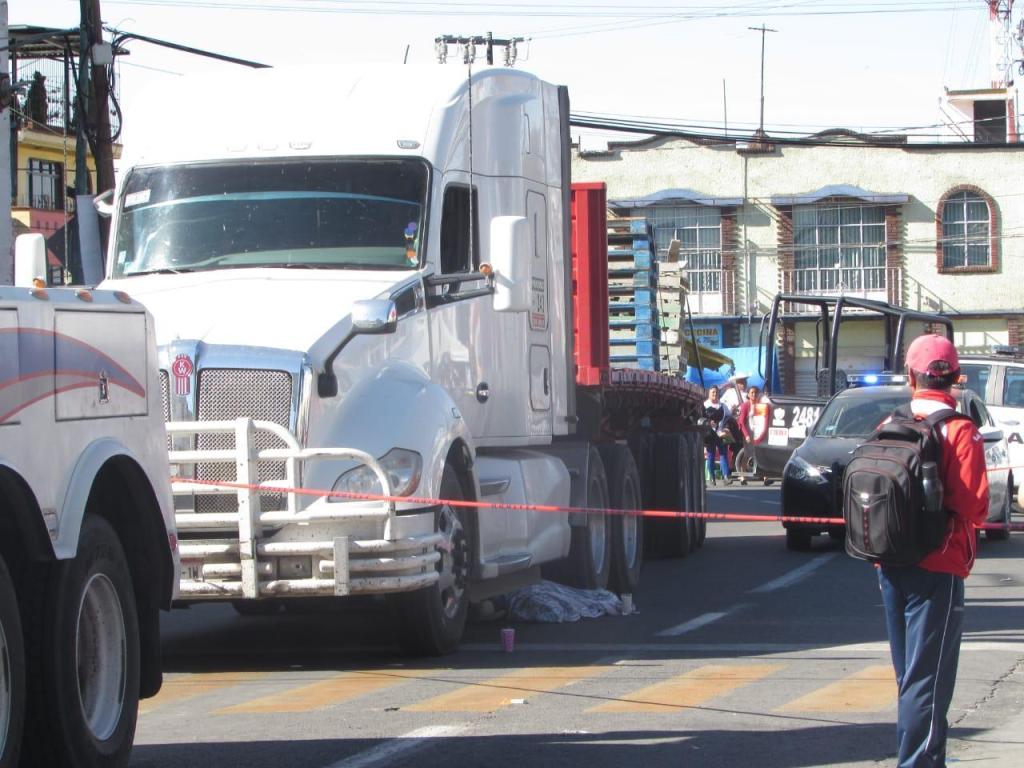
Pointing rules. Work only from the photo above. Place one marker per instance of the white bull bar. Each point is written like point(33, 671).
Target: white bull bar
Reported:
point(239, 553)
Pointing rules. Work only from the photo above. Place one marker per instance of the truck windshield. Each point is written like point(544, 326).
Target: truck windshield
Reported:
point(326, 214)
point(851, 416)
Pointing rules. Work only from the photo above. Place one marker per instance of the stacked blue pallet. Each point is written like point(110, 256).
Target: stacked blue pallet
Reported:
point(633, 331)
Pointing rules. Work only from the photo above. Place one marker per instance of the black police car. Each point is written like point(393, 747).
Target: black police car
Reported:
point(812, 482)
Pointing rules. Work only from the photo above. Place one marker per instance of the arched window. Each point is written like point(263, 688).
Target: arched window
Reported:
point(966, 224)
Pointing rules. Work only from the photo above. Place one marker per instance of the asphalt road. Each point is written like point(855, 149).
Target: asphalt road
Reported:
point(741, 654)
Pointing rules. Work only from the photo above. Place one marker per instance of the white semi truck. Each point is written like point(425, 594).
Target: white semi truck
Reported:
point(383, 284)
point(88, 552)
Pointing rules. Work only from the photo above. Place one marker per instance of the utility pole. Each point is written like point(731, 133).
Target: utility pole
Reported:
point(762, 29)
point(469, 44)
point(92, 112)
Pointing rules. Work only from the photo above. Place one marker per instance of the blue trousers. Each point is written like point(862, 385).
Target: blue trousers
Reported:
point(924, 613)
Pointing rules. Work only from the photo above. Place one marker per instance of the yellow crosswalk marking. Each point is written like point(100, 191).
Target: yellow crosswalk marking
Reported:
point(872, 689)
point(690, 689)
point(182, 687)
point(499, 692)
point(326, 693)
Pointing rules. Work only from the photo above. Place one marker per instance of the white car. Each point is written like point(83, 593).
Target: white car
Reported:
point(999, 380)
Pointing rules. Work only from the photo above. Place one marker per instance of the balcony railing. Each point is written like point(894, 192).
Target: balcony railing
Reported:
point(878, 283)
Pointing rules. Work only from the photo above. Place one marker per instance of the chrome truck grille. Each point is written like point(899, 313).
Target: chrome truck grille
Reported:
point(229, 394)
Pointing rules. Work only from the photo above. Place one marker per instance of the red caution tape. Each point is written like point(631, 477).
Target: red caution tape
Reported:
point(469, 504)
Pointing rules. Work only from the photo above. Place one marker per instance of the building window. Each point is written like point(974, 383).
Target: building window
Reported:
point(45, 185)
point(966, 224)
point(839, 247)
point(698, 228)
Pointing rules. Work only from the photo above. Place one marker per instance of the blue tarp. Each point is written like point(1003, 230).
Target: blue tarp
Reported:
point(745, 359)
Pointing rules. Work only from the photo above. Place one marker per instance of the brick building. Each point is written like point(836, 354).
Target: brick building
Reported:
point(931, 227)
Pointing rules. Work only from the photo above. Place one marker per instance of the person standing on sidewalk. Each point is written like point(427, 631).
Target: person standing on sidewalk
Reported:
point(924, 603)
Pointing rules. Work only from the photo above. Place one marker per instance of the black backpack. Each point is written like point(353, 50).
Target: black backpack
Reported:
point(892, 491)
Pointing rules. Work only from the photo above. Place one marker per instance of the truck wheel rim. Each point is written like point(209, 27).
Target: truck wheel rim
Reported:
point(102, 659)
point(630, 527)
point(6, 692)
point(452, 581)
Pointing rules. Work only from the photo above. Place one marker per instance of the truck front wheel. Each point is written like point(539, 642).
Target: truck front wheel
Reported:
point(431, 621)
point(84, 658)
point(12, 673)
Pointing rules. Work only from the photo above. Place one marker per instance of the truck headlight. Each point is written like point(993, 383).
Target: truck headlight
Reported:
point(402, 467)
point(799, 469)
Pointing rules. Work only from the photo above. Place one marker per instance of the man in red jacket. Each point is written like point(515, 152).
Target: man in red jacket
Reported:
point(924, 603)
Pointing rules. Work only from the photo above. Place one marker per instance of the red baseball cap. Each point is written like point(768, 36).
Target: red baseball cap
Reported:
point(934, 355)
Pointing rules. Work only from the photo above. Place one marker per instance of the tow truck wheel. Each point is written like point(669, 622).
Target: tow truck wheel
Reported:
point(627, 531)
point(12, 673)
point(83, 641)
point(1002, 534)
point(431, 621)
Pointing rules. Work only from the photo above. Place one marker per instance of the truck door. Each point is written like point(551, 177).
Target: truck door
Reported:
point(477, 354)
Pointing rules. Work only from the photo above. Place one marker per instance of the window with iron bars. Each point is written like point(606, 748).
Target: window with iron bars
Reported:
point(45, 185)
point(698, 228)
point(965, 231)
point(839, 247)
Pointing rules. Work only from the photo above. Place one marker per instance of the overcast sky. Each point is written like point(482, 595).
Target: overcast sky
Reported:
point(861, 64)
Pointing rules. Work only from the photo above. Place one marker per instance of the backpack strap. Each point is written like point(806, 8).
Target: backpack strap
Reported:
point(934, 420)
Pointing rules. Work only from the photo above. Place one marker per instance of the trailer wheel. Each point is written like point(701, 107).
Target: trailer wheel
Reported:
point(589, 562)
point(672, 467)
point(12, 673)
point(431, 621)
point(627, 531)
point(83, 638)
point(697, 490)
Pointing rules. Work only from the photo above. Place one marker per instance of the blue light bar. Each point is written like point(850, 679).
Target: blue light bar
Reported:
point(877, 379)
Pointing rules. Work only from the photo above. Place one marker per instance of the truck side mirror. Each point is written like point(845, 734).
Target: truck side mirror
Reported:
point(29, 260)
point(510, 263)
point(374, 316)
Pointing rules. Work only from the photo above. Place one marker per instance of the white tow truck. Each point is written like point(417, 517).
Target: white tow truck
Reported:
point(385, 295)
point(88, 552)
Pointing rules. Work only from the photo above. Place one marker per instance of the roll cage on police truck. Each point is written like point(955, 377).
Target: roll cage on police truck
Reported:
point(394, 294)
point(793, 414)
point(87, 546)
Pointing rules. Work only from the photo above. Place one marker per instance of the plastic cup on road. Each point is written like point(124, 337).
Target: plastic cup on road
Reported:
point(508, 639)
point(627, 604)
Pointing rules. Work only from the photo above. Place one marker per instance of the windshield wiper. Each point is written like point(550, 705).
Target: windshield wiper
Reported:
point(162, 271)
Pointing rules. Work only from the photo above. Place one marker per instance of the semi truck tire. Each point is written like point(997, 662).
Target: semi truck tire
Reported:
point(694, 489)
point(670, 482)
point(627, 531)
point(431, 621)
point(12, 673)
point(690, 493)
point(83, 706)
point(588, 565)
point(701, 488)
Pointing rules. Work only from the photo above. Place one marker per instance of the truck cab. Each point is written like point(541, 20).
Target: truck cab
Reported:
point(388, 274)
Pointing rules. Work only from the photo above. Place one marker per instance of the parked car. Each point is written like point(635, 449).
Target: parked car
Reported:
point(999, 380)
point(812, 482)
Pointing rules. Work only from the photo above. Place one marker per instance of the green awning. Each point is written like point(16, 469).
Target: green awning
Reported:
point(709, 358)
